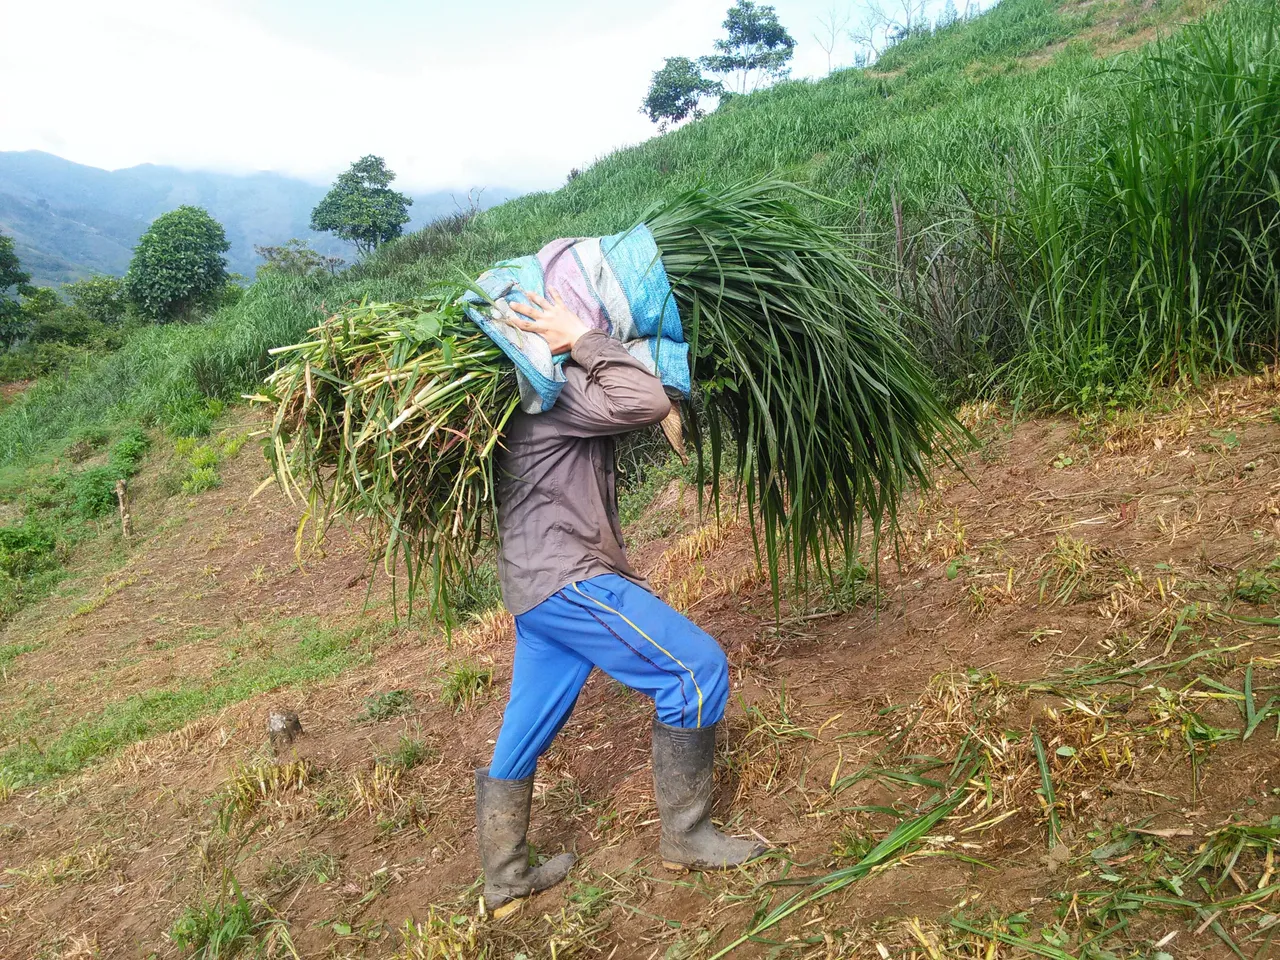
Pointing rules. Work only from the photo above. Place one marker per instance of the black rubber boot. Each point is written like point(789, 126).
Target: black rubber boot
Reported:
point(682, 773)
point(502, 821)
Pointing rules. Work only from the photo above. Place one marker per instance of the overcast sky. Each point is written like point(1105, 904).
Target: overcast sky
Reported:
point(453, 94)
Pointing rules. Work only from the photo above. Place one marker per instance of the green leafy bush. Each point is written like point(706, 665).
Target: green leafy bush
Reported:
point(128, 450)
point(26, 550)
point(92, 491)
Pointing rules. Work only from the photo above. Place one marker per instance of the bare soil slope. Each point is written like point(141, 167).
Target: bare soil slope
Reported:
point(1073, 657)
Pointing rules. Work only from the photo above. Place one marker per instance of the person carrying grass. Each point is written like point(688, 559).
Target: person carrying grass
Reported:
point(578, 604)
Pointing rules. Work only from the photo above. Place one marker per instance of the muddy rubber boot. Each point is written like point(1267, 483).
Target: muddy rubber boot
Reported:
point(682, 776)
point(502, 821)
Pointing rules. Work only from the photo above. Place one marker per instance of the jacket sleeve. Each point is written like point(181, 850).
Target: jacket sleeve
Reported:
point(607, 391)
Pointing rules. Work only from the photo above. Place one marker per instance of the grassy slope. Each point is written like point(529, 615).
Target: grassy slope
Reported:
point(931, 124)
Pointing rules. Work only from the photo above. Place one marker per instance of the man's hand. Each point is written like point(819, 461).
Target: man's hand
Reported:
point(554, 322)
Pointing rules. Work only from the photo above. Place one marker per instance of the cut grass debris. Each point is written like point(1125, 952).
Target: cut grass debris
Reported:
point(261, 783)
point(78, 866)
point(307, 865)
point(900, 841)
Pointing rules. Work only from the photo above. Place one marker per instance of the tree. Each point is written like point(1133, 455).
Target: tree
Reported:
point(49, 320)
point(677, 91)
point(178, 265)
point(14, 283)
point(295, 258)
point(361, 208)
point(757, 48)
point(831, 26)
point(882, 27)
point(100, 298)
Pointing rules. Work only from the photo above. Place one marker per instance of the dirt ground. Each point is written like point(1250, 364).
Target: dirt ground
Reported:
point(1065, 689)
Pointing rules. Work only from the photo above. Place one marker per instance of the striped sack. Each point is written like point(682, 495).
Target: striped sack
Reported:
point(616, 284)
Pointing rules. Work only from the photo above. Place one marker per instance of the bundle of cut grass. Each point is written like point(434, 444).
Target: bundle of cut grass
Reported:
point(392, 412)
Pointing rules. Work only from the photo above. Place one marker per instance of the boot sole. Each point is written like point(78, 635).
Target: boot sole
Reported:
point(701, 868)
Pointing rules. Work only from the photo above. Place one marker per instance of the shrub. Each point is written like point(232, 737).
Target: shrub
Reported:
point(26, 550)
point(93, 491)
point(127, 452)
point(101, 298)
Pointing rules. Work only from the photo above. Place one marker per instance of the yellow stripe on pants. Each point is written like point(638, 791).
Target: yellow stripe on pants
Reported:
point(619, 613)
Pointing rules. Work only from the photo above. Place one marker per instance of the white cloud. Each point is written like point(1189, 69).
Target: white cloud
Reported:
point(203, 86)
point(451, 99)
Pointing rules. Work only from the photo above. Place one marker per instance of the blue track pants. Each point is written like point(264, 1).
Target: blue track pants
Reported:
point(610, 623)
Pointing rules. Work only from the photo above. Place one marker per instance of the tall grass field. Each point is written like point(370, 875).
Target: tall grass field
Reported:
point(1063, 228)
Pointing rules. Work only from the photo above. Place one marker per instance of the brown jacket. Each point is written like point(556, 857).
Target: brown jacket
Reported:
point(556, 485)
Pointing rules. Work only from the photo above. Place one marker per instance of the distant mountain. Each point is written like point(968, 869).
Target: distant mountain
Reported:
point(70, 220)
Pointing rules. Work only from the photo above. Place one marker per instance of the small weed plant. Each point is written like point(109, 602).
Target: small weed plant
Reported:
point(463, 682)
point(384, 706)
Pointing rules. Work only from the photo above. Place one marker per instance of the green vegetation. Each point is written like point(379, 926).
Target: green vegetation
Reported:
point(384, 706)
point(285, 654)
point(231, 924)
point(58, 508)
point(223, 927)
point(982, 162)
point(199, 462)
point(295, 258)
point(13, 280)
point(361, 208)
point(1257, 586)
point(164, 375)
point(178, 265)
point(41, 333)
point(462, 682)
point(409, 753)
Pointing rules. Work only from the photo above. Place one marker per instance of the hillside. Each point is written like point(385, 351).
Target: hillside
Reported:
point(1050, 729)
point(1121, 609)
point(71, 220)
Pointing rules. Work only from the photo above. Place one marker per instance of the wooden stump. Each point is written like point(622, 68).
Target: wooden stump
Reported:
point(126, 518)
